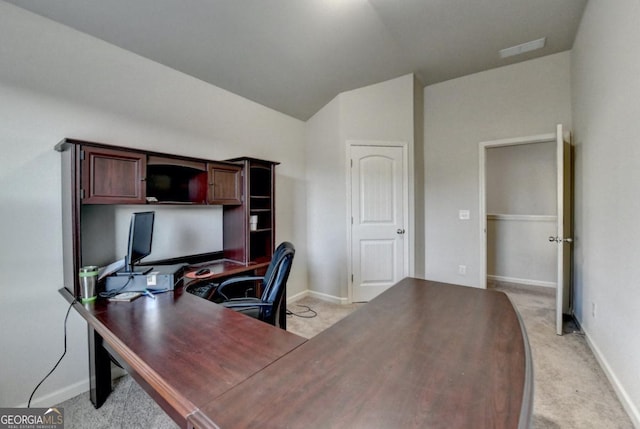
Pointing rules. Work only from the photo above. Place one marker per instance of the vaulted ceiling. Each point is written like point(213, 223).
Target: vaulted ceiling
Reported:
point(296, 55)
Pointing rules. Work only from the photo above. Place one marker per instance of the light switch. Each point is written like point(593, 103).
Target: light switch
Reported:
point(463, 214)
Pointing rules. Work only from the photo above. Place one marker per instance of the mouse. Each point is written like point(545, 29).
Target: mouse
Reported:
point(203, 271)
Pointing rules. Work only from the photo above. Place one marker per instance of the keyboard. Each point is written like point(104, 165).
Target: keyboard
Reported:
point(203, 291)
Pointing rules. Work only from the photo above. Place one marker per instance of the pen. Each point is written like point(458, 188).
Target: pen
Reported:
point(149, 294)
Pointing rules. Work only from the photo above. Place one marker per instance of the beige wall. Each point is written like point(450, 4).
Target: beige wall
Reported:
point(605, 77)
point(519, 100)
point(381, 112)
point(326, 205)
point(56, 83)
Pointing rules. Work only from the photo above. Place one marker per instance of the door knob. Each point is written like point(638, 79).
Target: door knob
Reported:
point(560, 240)
point(400, 231)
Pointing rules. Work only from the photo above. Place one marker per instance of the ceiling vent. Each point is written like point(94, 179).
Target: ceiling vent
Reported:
point(522, 48)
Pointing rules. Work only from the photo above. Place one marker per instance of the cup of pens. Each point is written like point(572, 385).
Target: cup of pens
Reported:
point(88, 276)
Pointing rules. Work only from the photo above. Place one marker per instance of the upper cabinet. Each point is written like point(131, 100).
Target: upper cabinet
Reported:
point(225, 184)
point(112, 176)
point(95, 175)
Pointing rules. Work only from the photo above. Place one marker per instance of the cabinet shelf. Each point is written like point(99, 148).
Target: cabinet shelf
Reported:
point(177, 184)
point(259, 187)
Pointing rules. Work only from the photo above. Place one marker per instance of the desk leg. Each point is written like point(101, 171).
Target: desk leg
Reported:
point(99, 370)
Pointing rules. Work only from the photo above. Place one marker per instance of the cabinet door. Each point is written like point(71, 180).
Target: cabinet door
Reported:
point(225, 184)
point(113, 176)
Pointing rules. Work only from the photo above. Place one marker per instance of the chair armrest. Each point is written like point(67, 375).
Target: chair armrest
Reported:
point(236, 280)
point(242, 303)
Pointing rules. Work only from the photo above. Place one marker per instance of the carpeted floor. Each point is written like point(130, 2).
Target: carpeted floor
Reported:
point(571, 390)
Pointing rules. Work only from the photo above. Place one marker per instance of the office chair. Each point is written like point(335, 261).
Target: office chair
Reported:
point(267, 307)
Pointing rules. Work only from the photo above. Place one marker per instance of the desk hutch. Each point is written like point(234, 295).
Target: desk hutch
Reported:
point(96, 174)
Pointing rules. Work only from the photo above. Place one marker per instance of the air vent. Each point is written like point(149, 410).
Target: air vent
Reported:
point(522, 48)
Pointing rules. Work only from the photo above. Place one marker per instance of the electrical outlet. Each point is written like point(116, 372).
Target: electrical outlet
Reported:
point(462, 270)
point(593, 310)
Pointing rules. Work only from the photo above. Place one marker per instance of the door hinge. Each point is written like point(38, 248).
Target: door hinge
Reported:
point(82, 194)
point(81, 155)
point(351, 278)
point(351, 163)
point(351, 220)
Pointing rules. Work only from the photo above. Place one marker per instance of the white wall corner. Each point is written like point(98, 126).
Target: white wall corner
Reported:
point(623, 396)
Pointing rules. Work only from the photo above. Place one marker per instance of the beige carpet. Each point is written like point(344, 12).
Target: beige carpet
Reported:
point(571, 390)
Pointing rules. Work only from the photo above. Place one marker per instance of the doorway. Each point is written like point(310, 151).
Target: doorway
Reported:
point(377, 216)
point(527, 219)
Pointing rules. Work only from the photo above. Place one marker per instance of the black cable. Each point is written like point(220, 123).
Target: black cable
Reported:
point(59, 360)
point(308, 310)
point(112, 293)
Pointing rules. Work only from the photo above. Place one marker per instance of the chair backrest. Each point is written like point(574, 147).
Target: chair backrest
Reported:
point(275, 279)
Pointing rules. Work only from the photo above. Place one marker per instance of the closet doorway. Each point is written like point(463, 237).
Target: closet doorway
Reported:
point(525, 213)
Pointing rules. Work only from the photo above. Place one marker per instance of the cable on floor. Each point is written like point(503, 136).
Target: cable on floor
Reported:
point(303, 314)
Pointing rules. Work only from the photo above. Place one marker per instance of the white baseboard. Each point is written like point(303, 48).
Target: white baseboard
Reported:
point(329, 298)
point(323, 296)
point(527, 282)
point(297, 296)
point(59, 396)
point(70, 391)
point(627, 404)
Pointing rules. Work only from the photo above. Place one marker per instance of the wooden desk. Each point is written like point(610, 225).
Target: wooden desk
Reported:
point(422, 355)
point(223, 268)
point(183, 350)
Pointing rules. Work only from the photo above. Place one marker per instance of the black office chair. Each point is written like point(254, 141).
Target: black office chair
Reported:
point(267, 307)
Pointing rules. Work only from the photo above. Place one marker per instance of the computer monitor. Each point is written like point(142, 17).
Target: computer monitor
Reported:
point(139, 243)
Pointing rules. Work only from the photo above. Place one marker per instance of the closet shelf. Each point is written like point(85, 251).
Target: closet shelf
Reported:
point(521, 217)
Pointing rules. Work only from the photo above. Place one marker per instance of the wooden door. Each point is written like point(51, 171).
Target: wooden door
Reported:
point(378, 225)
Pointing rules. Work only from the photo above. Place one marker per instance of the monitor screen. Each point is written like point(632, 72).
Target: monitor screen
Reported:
point(140, 238)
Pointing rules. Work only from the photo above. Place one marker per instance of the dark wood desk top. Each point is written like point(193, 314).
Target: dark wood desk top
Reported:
point(222, 268)
point(184, 350)
point(422, 355)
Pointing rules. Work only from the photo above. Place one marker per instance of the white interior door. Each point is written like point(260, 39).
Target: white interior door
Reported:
point(378, 212)
point(563, 236)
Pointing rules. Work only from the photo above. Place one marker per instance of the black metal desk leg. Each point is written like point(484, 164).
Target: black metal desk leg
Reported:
point(99, 370)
